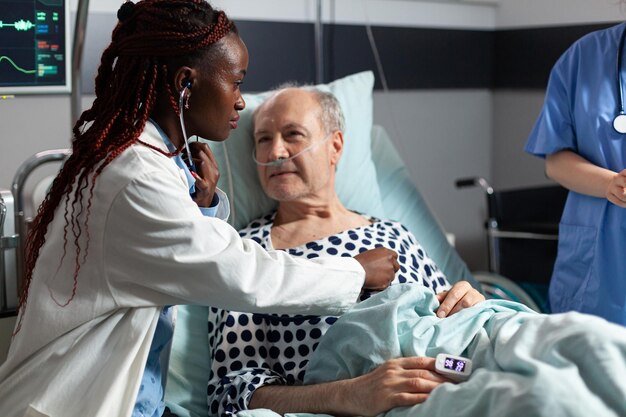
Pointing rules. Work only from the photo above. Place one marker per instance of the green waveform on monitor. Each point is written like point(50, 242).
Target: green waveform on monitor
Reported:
point(17, 67)
point(21, 24)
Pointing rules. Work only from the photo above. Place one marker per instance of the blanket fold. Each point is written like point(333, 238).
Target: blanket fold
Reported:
point(525, 364)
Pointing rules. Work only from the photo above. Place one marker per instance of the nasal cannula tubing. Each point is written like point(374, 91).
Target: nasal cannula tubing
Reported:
point(181, 106)
point(278, 162)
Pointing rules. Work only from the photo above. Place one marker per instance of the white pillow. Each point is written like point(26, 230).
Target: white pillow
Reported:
point(356, 183)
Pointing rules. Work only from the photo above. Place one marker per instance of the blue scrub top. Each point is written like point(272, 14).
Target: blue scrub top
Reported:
point(581, 102)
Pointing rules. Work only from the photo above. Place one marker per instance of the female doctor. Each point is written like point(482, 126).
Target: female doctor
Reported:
point(581, 132)
point(119, 239)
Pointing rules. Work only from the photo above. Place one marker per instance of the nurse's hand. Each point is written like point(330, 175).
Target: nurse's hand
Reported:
point(207, 175)
point(461, 295)
point(616, 190)
point(380, 266)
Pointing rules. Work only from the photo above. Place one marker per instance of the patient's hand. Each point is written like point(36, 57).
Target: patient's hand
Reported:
point(380, 266)
point(399, 382)
point(396, 383)
point(460, 296)
point(207, 175)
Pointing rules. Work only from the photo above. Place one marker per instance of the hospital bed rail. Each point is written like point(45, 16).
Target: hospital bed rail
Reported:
point(12, 245)
point(7, 243)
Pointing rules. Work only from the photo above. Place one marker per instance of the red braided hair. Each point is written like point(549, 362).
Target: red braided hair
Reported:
point(150, 36)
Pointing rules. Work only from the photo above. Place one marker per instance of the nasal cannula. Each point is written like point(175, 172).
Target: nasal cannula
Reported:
point(278, 162)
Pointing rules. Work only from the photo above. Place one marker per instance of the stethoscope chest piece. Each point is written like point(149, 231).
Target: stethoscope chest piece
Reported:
point(619, 123)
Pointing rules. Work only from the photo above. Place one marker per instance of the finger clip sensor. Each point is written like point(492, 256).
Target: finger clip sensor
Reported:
point(456, 368)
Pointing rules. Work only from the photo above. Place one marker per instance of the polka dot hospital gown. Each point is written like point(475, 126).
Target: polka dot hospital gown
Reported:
point(251, 350)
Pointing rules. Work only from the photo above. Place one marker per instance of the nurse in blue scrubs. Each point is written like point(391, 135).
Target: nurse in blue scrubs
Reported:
point(581, 132)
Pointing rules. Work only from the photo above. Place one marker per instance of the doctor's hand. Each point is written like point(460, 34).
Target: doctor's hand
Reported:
point(399, 382)
point(207, 175)
point(460, 296)
point(380, 266)
point(616, 190)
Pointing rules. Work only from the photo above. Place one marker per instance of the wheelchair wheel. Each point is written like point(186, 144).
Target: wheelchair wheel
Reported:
point(501, 288)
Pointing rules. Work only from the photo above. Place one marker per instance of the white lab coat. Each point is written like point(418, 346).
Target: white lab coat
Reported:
point(149, 246)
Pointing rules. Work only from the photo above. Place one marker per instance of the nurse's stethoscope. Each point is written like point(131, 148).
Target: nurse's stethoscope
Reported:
point(619, 123)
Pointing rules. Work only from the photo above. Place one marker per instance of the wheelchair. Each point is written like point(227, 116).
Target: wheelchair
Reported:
point(522, 238)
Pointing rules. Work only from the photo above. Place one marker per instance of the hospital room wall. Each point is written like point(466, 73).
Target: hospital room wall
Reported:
point(545, 25)
point(544, 13)
point(443, 135)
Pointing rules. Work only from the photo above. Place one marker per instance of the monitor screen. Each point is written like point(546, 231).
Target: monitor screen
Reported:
point(35, 47)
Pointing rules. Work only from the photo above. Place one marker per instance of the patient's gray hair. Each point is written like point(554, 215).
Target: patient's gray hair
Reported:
point(331, 116)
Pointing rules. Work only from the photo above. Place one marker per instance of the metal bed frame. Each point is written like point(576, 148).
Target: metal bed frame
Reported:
point(12, 245)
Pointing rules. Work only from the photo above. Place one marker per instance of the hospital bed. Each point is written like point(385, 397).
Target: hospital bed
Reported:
point(527, 364)
point(369, 164)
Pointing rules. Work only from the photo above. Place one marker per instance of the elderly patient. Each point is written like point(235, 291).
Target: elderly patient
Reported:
point(259, 361)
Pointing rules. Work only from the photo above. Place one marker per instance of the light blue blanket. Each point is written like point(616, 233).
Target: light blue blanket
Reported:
point(525, 364)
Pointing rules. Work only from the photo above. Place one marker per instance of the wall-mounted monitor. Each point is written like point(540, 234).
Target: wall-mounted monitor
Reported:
point(35, 49)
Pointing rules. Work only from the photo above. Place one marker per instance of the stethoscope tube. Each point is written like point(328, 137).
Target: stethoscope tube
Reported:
point(619, 123)
point(186, 156)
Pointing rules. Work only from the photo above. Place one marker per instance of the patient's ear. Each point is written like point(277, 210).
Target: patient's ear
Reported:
point(337, 147)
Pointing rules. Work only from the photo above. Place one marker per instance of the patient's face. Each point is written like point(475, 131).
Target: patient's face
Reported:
point(286, 125)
